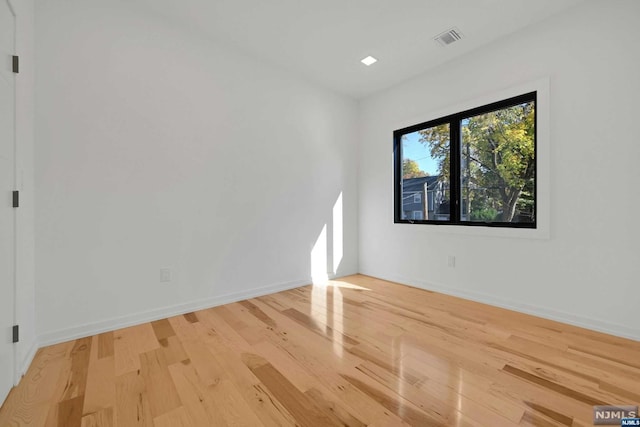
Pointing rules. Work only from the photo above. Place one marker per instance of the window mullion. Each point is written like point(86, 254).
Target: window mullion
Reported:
point(454, 168)
point(397, 155)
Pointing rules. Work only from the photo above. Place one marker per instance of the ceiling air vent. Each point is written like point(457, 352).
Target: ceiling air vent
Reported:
point(448, 37)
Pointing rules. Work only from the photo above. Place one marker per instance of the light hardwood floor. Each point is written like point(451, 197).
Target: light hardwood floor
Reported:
point(358, 351)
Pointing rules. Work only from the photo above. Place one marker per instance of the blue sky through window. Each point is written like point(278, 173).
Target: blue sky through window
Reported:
point(413, 149)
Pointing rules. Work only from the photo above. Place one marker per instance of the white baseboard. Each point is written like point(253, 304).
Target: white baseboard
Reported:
point(546, 313)
point(106, 325)
point(28, 358)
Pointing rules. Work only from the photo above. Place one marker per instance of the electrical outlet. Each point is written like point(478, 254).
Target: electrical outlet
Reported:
point(165, 274)
point(451, 261)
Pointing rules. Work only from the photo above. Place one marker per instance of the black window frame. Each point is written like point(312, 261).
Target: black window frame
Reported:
point(454, 121)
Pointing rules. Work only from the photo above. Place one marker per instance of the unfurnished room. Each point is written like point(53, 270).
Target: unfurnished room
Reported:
point(319, 213)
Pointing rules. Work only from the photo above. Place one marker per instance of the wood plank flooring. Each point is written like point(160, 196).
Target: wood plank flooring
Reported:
point(356, 352)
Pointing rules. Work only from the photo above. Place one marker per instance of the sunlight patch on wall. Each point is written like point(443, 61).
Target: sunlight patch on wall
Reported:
point(338, 248)
point(319, 258)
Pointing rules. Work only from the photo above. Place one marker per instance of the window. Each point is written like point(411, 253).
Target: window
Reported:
point(417, 214)
point(476, 167)
point(417, 198)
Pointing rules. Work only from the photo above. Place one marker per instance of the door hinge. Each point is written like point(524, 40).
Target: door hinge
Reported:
point(16, 64)
point(16, 199)
point(16, 333)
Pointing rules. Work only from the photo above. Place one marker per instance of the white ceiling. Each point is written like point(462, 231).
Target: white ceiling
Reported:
point(324, 40)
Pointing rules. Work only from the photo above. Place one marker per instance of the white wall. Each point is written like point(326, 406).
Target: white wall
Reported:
point(587, 272)
point(157, 148)
point(25, 282)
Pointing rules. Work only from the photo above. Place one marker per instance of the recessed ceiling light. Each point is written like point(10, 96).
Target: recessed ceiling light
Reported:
point(369, 60)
